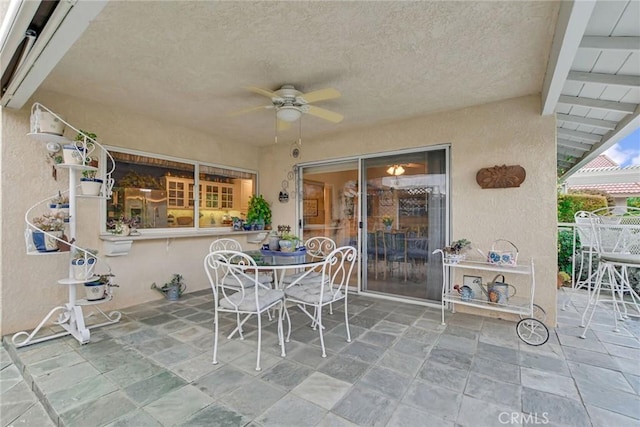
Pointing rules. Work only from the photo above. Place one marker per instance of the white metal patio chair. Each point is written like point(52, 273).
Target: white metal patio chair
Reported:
point(226, 244)
point(317, 248)
point(331, 287)
point(236, 289)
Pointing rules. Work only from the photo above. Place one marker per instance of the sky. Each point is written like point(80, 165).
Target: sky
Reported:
point(627, 151)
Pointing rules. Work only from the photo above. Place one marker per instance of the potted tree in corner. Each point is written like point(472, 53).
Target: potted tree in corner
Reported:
point(259, 212)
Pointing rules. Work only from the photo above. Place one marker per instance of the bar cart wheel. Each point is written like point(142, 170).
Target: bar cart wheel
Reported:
point(532, 331)
point(538, 313)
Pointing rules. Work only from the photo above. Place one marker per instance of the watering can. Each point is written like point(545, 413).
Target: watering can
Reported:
point(170, 292)
point(497, 291)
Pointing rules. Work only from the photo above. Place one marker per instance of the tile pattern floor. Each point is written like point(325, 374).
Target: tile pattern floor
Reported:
point(403, 368)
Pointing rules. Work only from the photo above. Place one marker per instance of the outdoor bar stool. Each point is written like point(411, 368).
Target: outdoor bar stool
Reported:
point(618, 247)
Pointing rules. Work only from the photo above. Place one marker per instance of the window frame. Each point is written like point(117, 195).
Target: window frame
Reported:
point(198, 203)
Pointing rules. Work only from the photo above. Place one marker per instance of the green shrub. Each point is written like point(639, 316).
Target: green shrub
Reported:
point(569, 204)
point(565, 250)
point(595, 192)
point(633, 202)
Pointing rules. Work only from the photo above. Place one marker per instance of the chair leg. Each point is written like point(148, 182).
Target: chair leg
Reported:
point(215, 339)
point(318, 316)
point(281, 328)
point(346, 320)
point(259, 315)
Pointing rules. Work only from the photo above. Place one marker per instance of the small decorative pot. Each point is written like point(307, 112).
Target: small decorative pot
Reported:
point(286, 245)
point(274, 243)
point(72, 154)
point(454, 258)
point(82, 269)
point(45, 241)
point(90, 186)
point(95, 290)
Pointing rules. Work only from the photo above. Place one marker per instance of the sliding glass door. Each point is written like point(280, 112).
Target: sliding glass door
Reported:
point(394, 208)
point(404, 202)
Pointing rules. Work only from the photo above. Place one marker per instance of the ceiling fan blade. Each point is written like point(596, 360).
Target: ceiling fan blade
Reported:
point(321, 95)
point(248, 110)
point(325, 114)
point(263, 92)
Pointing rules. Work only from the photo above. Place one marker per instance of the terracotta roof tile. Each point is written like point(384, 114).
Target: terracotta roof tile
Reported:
point(601, 161)
point(613, 189)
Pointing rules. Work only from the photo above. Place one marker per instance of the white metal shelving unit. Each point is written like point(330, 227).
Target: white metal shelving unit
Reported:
point(530, 328)
point(70, 315)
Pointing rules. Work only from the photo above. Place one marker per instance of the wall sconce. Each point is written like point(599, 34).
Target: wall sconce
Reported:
point(395, 170)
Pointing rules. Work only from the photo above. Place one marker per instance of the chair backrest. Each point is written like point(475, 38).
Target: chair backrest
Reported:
point(584, 227)
point(337, 269)
point(400, 243)
point(225, 244)
point(230, 273)
point(319, 247)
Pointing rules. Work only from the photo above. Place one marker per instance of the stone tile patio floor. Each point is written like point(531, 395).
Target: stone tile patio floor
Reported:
point(403, 368)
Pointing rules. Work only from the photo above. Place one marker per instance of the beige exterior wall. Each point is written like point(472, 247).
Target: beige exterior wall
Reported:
point(28, 285)
point(508, 132)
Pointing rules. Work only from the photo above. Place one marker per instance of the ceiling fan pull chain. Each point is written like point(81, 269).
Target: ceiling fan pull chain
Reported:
point(300, 131)
point(276, 128)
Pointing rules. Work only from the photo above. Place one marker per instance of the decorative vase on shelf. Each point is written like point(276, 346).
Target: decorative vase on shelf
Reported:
point(455, 258)
point(46, 242)
point(387, 227)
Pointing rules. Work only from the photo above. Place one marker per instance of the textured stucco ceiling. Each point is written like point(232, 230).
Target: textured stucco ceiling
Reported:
point(188, 62)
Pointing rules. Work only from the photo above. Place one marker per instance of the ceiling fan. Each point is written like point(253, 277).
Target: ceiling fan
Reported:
point(290, 104)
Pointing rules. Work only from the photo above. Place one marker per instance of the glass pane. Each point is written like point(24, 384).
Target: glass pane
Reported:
point(405, 203)
point(161, 193)
point(152, 190)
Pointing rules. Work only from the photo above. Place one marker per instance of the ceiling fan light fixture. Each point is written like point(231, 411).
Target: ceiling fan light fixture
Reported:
point(395, 170)
point(288, 113)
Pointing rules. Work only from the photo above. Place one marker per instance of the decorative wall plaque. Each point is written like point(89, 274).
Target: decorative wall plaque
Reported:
point(501, 176)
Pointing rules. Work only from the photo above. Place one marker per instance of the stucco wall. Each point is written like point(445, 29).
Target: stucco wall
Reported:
point(28, 284)
point(510, 132)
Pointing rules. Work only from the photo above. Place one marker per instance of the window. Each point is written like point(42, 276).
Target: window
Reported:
point(167, 193)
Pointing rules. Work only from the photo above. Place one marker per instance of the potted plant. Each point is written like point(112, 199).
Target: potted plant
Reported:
point(455, 252)
point(89, 184)
point(98, 289)
point(60, 204)
point(387, 221)
point(173, 289)
point(122, 226)
point(563, 279)
point(259, 212)
point(288, 242)
point(83, 261)
point(76, 153)
point(49, 231)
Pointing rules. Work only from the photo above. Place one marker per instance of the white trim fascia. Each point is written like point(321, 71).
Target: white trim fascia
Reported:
point(571, 25)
